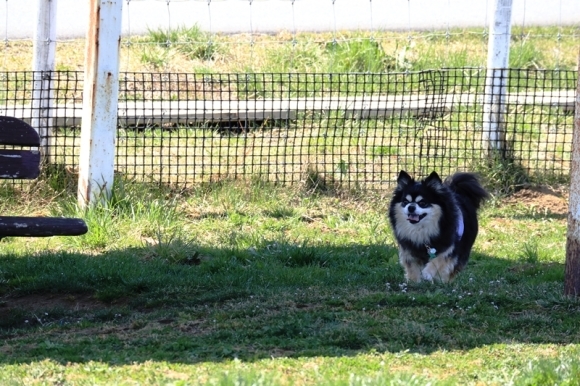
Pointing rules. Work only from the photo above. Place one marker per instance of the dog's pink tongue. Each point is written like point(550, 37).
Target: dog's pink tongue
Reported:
point(413, 217)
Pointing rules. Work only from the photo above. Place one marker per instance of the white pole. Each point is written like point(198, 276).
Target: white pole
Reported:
point(497, 75)
point(101, 91)
point(43, 68)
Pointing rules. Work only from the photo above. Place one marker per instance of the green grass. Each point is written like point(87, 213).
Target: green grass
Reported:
point(247, 282)
point(191, 50)
point(192, 41)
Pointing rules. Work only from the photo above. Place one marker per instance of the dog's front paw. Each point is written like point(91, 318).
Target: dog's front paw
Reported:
point(427, 275)
point(439, 269)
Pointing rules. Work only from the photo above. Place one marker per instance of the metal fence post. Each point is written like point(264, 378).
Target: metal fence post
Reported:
point(101, 91)
point(43, 67)
point(572, 271)
point(494, 136)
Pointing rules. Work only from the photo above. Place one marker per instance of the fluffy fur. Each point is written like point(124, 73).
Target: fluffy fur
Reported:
point(435, 223)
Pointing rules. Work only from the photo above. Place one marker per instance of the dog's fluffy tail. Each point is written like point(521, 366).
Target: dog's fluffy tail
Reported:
point(468, 186)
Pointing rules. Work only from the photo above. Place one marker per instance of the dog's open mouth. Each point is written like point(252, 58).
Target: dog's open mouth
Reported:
point(415, 218)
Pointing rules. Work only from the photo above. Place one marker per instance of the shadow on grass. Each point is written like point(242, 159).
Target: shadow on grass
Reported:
point(278, 299)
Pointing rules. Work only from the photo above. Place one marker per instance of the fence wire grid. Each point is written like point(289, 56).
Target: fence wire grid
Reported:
point(355, 130)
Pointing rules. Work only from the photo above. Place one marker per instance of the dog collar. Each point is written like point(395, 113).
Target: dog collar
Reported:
point(432, 252)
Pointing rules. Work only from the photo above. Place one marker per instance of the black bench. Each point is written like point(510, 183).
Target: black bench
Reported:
point(19, 161)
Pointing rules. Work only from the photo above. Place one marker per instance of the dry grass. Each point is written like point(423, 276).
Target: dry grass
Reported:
point(553, 47)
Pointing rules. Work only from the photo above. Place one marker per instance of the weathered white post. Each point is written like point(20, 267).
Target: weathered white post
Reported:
point(572, 270)
point(101, 90)
point(494, 106)
point(43, 68)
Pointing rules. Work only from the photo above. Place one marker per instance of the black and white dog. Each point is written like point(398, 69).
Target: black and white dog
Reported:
point(435, 223)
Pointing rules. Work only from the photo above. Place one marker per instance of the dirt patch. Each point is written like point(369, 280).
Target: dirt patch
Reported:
point(545, 199)
point(73, 302)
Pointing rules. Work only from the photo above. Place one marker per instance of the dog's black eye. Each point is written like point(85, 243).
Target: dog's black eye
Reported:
point(405, 202)
point(423, 204)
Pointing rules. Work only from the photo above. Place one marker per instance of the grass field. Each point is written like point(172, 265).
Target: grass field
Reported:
point(246, 282)
point(249, 283)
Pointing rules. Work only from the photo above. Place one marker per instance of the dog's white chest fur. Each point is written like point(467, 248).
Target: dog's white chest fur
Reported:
point(422, 232)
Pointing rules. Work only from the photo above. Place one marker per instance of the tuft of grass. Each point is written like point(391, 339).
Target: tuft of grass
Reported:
point(526, 55)
point(315, 181)
point(298, 56)
point(530, 253)
point(502, 175)
point(158, 58)
point(191, 41)
point(172, 248)
point(564, 371)
point(361, 55)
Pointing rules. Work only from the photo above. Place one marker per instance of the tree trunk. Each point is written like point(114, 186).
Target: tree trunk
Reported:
point(572, 279)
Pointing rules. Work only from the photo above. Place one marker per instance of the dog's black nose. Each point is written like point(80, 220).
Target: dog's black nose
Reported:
point(411, 209)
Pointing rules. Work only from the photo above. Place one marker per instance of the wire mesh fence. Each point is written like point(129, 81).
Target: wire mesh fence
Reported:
point(348, 129)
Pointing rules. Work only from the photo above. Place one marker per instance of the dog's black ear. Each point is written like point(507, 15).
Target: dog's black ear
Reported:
point(404, 179)
point(433, 179)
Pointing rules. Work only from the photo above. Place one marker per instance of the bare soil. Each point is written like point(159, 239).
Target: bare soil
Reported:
point(545, 199)
point(73, 302)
